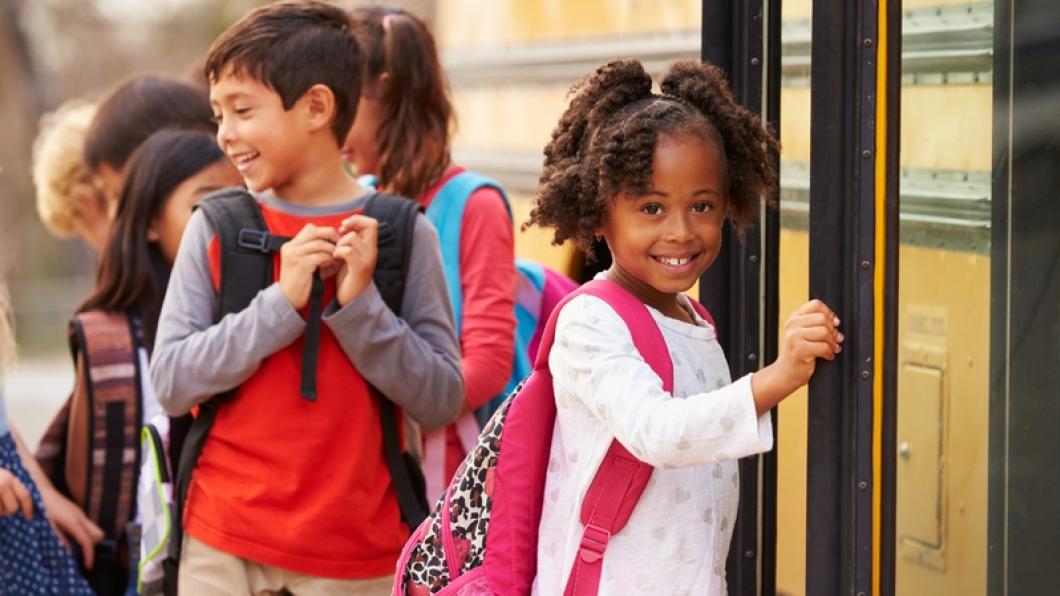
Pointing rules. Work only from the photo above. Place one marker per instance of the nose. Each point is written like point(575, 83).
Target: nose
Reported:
point(679, 227)
point(224, 133)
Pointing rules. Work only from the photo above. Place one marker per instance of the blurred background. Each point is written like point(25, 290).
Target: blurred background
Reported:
point(510, 64)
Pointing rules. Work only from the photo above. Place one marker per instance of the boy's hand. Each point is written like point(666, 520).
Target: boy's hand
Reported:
point(311, 249)
point(358, 249)
point(71, 523)
point(810, 333)
point(13, 496)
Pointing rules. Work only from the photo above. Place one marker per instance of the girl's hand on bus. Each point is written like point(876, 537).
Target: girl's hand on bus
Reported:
point(310, 249)
point(71, 523)
point(13, 496)
point(810, 333)
point(358, 248)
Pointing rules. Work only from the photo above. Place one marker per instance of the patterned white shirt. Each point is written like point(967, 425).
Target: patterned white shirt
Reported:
point(677, 540)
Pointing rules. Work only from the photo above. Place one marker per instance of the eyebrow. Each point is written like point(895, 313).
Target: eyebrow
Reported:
point(230, 96)
point(709, 191)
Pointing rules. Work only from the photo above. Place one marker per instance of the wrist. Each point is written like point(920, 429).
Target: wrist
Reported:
point(770, 386)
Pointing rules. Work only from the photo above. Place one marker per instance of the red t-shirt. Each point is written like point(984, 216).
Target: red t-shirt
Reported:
point(296, 484)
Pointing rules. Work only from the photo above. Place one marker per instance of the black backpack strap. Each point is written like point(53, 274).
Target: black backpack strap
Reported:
point(397, 225)
point(246, 268)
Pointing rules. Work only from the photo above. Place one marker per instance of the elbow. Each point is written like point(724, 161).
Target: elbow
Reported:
point(447, 402)
point(162, 385)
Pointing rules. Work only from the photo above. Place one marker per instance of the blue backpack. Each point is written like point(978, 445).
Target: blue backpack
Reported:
point(537, 288)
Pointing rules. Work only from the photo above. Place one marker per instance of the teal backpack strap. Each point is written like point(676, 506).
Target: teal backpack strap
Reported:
point(446, 213)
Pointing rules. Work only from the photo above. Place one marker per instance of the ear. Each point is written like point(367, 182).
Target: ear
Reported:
point(374, 88)
point(319, 106)
point(152, 233)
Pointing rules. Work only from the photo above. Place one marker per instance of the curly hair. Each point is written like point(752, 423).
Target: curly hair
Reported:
point(605, 141)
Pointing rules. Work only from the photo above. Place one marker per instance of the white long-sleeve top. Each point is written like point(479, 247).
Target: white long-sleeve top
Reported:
point(677, 540)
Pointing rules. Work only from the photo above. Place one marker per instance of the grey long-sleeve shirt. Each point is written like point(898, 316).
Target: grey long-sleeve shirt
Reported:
point(412, 359)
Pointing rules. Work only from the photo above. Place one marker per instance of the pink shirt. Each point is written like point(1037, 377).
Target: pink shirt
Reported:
point(487, 283)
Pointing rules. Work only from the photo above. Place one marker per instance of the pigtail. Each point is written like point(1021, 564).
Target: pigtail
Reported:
point(749, 146)
point(418, 113)
point(568, 200)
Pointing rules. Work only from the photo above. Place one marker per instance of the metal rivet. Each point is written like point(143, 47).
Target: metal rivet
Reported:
point(864, 374)
point(866, 153)
point(749, 554)
point(752, 357)
point(753, 258)
point(867, 42)
point(863, 485)
point(865, 264)
point(755, 61)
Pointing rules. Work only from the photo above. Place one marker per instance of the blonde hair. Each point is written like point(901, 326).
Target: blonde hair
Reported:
point(7, 330)
point(59, 170)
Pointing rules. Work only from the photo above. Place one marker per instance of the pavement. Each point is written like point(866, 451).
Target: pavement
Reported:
point(33, 390)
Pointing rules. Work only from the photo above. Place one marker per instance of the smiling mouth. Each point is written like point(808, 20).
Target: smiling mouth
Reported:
point(243, 160)
point(676, 261)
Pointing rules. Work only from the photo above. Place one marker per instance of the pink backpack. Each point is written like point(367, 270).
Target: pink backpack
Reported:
point(481, 538)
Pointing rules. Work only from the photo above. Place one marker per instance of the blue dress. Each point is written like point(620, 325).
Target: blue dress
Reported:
point(32, 558)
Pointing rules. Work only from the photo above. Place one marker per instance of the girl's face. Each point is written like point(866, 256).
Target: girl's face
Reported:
point(168, 226)
point(662, 242)
point(361, 149)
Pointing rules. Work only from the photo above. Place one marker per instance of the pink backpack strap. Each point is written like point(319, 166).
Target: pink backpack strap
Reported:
point(621, 478)
point(704, 313)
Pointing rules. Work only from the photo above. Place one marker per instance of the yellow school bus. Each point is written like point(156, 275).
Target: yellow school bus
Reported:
point(920, 175)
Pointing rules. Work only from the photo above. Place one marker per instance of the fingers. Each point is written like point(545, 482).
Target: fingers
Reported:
point(817, 306)
point(86, 534)
point(25, 501)
point(13, 496)
point(311, 232)
point(357, 223)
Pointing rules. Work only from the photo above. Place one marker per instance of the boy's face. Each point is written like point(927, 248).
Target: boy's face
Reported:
point(263, 140)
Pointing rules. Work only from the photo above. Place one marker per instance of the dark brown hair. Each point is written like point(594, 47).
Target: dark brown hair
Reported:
point(289, 47)
point(605, 141)
point(417, 112)
point(136, 109)
point(132, 272)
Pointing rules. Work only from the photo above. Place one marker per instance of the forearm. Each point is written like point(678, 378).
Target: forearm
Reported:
point(412, 359)
point(29, 462)
point(190, 366)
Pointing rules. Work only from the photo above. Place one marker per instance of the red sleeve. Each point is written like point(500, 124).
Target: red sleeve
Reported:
point(487, 280)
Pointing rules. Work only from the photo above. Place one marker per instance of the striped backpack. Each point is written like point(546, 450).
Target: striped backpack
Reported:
point(90, 450)
point(481, 538)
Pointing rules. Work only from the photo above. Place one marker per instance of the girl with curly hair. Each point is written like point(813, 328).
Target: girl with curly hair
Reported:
point(655, 175)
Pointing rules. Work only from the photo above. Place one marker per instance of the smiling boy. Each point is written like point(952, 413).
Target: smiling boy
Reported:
point(292, 494)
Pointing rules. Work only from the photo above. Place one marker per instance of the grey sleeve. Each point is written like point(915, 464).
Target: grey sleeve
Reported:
point(195, 359)
point(414, 360)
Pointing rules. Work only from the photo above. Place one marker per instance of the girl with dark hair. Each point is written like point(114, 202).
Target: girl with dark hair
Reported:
point(167, 176)
point(401, 136)
point(114, 330)
point(130, 113)
point(656, 176)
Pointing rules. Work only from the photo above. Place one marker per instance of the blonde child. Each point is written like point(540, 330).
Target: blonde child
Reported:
point(655, 176)
point(68, 200)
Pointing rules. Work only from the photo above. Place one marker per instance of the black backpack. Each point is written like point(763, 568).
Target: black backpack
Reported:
point(247, 249)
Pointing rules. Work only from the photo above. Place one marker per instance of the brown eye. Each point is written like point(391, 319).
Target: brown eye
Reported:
point(651, 209)
point(702, 207)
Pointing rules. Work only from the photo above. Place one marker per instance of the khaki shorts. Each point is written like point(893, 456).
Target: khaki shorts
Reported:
point(205, 571)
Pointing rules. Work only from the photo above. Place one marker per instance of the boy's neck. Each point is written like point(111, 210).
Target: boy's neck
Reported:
point(323, 182)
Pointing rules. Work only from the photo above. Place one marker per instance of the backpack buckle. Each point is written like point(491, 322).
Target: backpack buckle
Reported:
point(593, 544)
point(253, 240)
